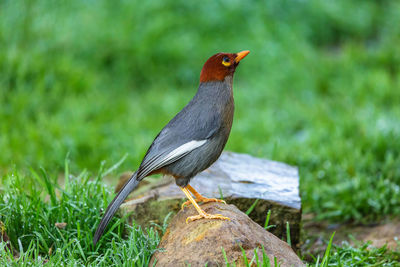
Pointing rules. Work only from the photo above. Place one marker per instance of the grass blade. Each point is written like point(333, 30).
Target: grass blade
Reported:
point(220, 193)
point(225, 257)
point(115, 166)
point(252, 207)
point(288, 240)
point(49, 187)
point(267, 220)
point(325, 259)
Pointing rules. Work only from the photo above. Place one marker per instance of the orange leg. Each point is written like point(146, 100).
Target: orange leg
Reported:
point(202, 213)
point(200, 198)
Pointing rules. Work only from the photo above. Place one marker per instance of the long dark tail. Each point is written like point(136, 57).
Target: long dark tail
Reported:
point(114, 205)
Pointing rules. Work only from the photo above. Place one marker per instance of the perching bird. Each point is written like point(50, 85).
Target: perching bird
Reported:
point(192, 140)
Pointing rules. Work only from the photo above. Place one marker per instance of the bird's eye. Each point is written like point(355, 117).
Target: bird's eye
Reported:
point(226, 61)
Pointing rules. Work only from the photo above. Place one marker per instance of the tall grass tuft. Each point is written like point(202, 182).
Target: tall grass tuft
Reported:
point(33, 206)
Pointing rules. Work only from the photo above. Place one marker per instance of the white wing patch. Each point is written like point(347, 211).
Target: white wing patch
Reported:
point(179, 152)
point(184, 149)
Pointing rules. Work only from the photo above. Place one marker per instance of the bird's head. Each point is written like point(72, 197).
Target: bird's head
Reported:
point(221, 65)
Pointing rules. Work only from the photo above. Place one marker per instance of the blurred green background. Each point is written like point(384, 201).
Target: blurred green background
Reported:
point(320, 89)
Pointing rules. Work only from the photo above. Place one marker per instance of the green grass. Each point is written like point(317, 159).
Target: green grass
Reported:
point(363, 255)
point(29, 214)
point(320, 89)
point(97, 80)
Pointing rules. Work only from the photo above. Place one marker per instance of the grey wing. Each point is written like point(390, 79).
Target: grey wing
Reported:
point(165, 151)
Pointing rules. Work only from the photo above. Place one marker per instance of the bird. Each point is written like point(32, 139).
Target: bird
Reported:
point(192, 140)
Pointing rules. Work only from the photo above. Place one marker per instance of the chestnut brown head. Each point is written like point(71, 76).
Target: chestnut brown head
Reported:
point(221, 65)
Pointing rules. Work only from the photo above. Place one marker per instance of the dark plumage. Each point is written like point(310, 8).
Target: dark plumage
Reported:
point(193, 139)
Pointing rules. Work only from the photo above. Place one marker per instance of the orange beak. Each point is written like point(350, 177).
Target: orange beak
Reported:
point(241, 55)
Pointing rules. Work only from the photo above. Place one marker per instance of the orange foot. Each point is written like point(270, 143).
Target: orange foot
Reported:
point(206, 216)
point(202, 213)
point(202, 199)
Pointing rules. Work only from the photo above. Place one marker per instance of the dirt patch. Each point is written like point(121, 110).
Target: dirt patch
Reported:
point(380, 235)
point(316, 234)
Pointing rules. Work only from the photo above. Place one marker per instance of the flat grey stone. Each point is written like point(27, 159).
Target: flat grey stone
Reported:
point(245, 176)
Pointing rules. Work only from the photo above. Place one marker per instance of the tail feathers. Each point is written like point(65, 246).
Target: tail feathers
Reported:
point(114, 205)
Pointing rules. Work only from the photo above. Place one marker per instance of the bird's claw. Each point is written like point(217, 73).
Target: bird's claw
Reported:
point(204, 200)
point(206, 216)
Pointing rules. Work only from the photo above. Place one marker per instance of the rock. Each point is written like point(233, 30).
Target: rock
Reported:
point(4, 238)
point(241, 179)
point(61, 225)
point(200, 242)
